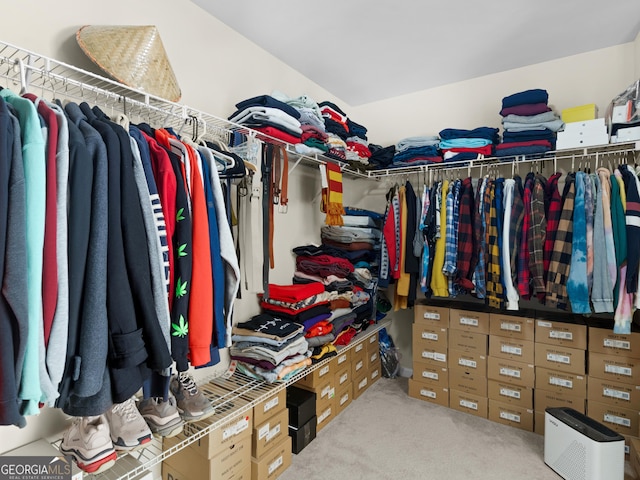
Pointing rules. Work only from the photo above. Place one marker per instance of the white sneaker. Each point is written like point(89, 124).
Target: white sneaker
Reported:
point(88, 441)
point(128, 429)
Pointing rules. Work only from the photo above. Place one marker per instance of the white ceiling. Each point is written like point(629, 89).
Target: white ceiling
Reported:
point(362, 51)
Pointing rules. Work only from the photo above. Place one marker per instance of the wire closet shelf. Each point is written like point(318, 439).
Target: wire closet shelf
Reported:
point(29, 71)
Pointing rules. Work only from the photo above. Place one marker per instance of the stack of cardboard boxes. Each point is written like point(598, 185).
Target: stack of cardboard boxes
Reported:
point(430, 379)
point(252, 445)
point(560, 366)
point(468, 347)
point(613, 394)
point(511, 370)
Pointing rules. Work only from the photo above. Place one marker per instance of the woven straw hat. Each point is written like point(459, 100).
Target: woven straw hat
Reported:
point(132, 55)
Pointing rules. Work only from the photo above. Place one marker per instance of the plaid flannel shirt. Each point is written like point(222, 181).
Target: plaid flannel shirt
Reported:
point(449, 267)
point(515, 228)
point(466, 244)
point(524, 275)
point(537, 232)
point(481, 267)
point(553, 209)
point(560, 263)
point(495, 290)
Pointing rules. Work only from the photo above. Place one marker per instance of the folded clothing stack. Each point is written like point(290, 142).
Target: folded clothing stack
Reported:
point(314, 136)
point(270, 348)
point(459, 144)
point(381, 157)
point(529, 124)
point(357, 143)
point(414, 151)
point(270, 116)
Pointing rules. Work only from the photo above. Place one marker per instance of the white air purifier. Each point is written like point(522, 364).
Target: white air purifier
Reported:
point(577, 447)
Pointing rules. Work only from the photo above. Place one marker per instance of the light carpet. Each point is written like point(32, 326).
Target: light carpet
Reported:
point(385, 434)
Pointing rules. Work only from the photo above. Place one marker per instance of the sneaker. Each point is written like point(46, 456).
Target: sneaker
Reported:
point(128, 429)
point(88, 441)
point(192, 404)
point(162, 417)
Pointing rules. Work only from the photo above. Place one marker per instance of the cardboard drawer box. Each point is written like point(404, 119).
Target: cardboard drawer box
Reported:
point(436, 357)
point(509, 394)
point(325, 412)
point(469, 321)
point(468, 361)
point(170, 473)
point(270, 407)
point(511, 349)
point(301, 405)
point(359, 348)
point(561, 382)
point(565, 359)
point(269, 433)
point(512, 415)
point(543, 399)
point(603, 340)
point(344, 397)
point(621, 420)
point(429, 393)
point(512, 326)
point(218, 440)
point(272, 465)
point(469, 403)
point(427, 372)
point(373, 343)
point(359, 363)
point(318, 376)
point(468, 382)
point(343, 377)
point(231, 460)
point(375, 373)
point(303, 436)
point(463, 341)
point(510, 371)
point(614, 367)
point(428, 337)
point(430, 315)
point(360, 384)
point(564, 334)
point(614, 393)
point(373, 359)
point(343, 359)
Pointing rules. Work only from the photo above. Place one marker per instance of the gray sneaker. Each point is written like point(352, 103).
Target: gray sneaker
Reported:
point(128, 429)
point(87, 440)
point(192, 404)
point(162, 417)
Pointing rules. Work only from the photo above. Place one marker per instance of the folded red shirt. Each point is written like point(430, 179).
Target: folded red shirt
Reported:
point(277, 133)
point(296, 292)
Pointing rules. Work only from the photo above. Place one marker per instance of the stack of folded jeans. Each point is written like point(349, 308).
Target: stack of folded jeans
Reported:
point(269, 116)
point(414, 151)
point(459, 144)
point(529, 124)
point(270, 348)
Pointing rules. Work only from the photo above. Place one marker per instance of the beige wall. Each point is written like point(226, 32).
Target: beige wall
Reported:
point(593, 77)
point(216, 68)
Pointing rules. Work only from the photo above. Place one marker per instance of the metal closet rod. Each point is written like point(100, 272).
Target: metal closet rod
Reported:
point(599, 152)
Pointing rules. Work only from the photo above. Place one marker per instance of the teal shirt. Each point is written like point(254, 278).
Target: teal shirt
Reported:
point(33, 157)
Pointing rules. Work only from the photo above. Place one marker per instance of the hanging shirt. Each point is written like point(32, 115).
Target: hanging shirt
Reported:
point(524, 275)
point(602, 291)
point(619, 235)
point(424, 264)
point(495, 292)
point(537, 236)
point(589, 209)
point(402, 286)
point(604, 175)
point(577, 288)
point(466, 249)
point(511, 293)
point(480, 238)
point(561, 258)
point(515, 229)
point(439, 284)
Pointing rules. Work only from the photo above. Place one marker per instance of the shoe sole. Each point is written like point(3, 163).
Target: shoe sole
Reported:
point(196, 418)
point(120, 444)
point(169, 432)
point(93, 467)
